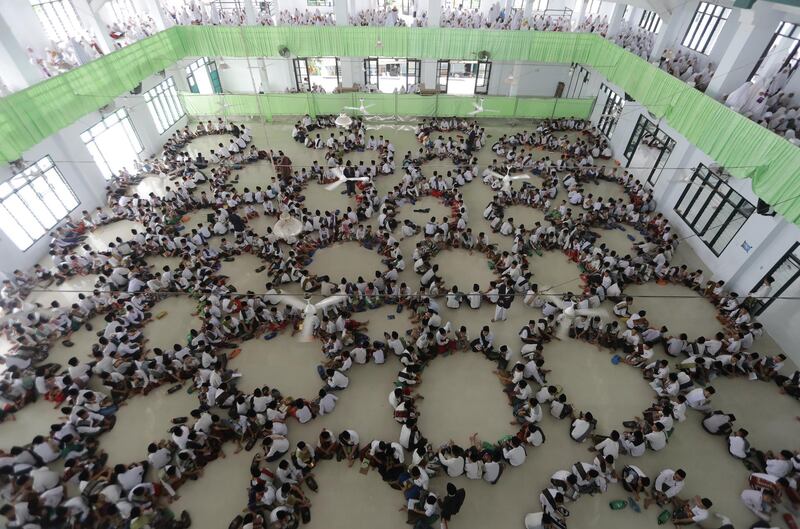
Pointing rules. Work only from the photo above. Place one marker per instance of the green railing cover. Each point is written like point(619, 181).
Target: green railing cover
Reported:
point(745, 148)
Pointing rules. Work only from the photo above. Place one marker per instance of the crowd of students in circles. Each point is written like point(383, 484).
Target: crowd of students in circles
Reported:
point(60, 478)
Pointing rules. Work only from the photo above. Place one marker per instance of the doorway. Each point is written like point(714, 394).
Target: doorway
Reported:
point(463, 77)
point(315, 73)
point(202, 77)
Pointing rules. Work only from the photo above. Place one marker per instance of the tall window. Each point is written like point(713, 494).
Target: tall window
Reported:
point(782, 51)
point(611, 111)
point(593, 7)
point(705, 27)
point(712, 209)
point(319, 3)
point(229, 6)
point(203, 77)
point(650, 21)
point(58, 18)
point(34, 201)
point(162, 100)
point(781, 276)
point(113, 143)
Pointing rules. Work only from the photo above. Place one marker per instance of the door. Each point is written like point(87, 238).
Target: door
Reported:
point(666, 144)
point(482, 77)
point(192, 82)
point(213, 74)
point(371, 72)
point(412, 72)
point(301, 79)
point(442, 75)
point(636, 138)
point(785, 272)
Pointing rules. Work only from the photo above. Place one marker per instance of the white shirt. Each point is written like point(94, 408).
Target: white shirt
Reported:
point(515, 456)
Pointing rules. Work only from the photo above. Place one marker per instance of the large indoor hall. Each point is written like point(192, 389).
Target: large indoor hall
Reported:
point(271, 265)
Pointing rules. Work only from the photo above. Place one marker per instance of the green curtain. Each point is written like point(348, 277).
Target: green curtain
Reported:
point(270, 105)
point(744, 148)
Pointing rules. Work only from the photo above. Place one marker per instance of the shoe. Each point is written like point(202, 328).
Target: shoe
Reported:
point(67, 343)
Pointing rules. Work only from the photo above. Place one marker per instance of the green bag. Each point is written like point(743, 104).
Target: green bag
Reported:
point(617, 505)
point(664, 517)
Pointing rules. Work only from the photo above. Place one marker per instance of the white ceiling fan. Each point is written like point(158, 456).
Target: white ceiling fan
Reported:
point(570, 311)
point(338, 172)
point(479, 107)
point(361, 107)
point(507, 178)
point(310, 310)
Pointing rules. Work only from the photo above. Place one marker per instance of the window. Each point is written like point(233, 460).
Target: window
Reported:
point(593, 7)
point(162, 100)
point(469, 5)
point(58, 18)
point(230, 7)
point(34, 201)
point(482, 78)
point(113, 143)
point(781, 276)
point(705, 27)
point(650, 21)
point(781, 52)
point(319, 3)
point(712, 209)
point(611, 111)
point(626, 16)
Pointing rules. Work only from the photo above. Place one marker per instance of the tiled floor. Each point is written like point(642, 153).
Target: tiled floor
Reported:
point(462, 394)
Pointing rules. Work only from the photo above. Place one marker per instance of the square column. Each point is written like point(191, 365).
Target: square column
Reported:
point(745, 49)
point(94, 25)
point(616, 19)
point(342, 12)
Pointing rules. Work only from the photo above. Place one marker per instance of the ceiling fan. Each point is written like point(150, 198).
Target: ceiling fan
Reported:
point(310, 310)
point(361, 108)
point(569, 312)
point(507, 178)
point(338, 172)
point(479, 107)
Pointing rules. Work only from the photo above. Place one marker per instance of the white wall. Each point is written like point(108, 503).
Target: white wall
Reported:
point(79, 169)
point(769, 237)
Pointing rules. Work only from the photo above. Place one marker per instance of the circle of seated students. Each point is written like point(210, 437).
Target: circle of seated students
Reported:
point(128, 290)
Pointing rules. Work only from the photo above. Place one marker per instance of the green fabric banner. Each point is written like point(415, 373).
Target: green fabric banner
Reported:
point(743, 147)
point(271, 105)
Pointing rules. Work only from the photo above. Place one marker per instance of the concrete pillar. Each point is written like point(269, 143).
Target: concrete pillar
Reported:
point(17, 70)
point(434, 13)
point(745, 49)
point(616, 18)
point(250, 13)
point(428, 74)
point(342, 12)
point(577, 15)
point(24, 25)
point(160, 17)
point(93, 24)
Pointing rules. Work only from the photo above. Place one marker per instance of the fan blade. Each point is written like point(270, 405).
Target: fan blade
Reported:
point(521, 177)
point(331, 187)
point(337, 172)
point(308, 328)
point(497, 175)
point(360, 178)
point(594, 312)
point(331, 301)
point(352, 108)
point(294, 301)
point(474, 112)
point(367, 106)
point(562, 332)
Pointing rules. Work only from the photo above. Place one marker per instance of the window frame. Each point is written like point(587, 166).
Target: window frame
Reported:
point(708, 186)
point(164, 105)
point(482, 77)
point(58, 18)
point(319, 3)
point(122, 117)
point(613, 105)
point(792, 58)
point(36, 171)
point(650, 21)
point(704, 29)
